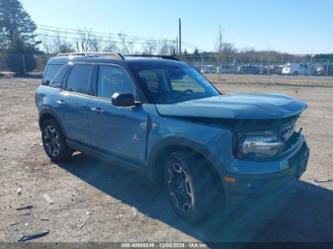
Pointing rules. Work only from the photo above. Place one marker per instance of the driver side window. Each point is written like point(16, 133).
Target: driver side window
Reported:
point(113, 79)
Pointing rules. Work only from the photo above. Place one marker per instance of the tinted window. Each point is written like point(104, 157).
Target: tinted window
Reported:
point(58, 78)
point(113, 79)
point(79, 77)
point(50, 71)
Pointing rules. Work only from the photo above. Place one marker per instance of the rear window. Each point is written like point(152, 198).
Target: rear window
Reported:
point(50, 71)
point(79, 78)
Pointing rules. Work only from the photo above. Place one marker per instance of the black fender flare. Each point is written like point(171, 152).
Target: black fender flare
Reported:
point(178, 141)
point(50, 112)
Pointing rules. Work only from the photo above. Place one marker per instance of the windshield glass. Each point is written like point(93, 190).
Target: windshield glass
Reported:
point(167, 84)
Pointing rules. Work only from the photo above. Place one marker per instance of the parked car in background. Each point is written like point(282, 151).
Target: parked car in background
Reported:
point(325, 70)
point(209, 69)
point(271, 69)
point(227, 68)
point(277, 69)
point(298, 69)
point(247, 69)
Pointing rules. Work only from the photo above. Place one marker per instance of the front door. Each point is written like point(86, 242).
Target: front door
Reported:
point(120, 131)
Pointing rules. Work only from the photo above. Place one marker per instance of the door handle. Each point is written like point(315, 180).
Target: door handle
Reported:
point(96, 109)
point(60, 101)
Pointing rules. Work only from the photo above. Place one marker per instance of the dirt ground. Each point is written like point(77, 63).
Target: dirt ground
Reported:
point(94, 201)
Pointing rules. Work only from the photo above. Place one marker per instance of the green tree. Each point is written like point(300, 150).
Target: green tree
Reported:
point(17, 34)
point(20, 58)
point(16, 23)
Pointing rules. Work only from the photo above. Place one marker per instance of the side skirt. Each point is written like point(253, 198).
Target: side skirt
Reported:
point(112, 159)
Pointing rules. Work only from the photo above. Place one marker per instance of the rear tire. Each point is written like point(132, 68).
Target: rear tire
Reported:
point(54, 142)
point(193, 189)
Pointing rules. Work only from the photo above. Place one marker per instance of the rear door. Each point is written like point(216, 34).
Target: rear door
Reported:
point(73, 100)
point(120, 131)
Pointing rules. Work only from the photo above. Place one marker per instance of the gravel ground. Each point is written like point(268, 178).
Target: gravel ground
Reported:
point(94, 201)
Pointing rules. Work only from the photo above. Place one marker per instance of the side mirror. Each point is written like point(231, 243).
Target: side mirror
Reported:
point(46, 82)
point(122, 99)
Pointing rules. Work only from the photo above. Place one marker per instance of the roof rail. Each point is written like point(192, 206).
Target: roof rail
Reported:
point(169, 57)
point(94, 54)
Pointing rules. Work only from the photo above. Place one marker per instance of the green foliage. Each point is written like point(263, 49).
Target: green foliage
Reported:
point(15, 23)
point(20, 58)
point(17, 37)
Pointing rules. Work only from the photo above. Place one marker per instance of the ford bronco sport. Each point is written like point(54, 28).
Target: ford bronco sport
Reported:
point(160, 117)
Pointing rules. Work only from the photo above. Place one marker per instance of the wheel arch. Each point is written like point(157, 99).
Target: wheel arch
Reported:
point(171, 144)
point(49, 114)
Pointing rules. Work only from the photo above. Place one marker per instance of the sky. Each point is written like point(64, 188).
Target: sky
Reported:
point(293, 26)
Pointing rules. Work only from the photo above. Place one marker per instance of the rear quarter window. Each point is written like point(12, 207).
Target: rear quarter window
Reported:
point(50, 72)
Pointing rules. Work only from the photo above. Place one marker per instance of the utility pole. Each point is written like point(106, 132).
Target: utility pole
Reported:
point(219, 52)
point(177, 45)
point(180, 36)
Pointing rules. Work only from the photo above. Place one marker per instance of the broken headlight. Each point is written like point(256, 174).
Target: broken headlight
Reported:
point(258, 146)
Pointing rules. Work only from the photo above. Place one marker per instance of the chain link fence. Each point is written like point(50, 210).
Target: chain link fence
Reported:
point(27, 64)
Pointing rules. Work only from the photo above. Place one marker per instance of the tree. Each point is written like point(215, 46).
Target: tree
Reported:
point(88, 41)
point(16, 24)
point(17, 32)
point(228, 53)
point(149, 47)
point(110, 44)
point(166, 47)
point(126, 44)
point(57, 44)
point(20, 58)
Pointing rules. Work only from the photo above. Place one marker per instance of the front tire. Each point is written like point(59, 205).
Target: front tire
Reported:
point(54, 142)
point(193, 189)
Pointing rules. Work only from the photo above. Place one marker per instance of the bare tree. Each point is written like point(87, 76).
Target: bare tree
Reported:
point(111, 44)
point(56, 44)
point(166, 47)
point(228, 53)
point(127, 45)
point(95, 43)
point(150, 47)
point(87, 41)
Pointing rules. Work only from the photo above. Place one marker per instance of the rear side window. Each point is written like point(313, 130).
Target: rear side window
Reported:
point(79, 78)
point(58, 78)
point(50, 71)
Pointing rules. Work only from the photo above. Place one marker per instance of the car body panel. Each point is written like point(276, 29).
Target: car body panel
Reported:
point(236, 106)
point(118, 130)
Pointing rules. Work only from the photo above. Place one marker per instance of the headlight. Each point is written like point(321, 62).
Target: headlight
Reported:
point(252, 147)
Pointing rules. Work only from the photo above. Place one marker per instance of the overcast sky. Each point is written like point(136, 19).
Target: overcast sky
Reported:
point(294, 26)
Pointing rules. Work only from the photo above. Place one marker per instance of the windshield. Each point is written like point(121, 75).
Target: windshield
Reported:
point(167, 84)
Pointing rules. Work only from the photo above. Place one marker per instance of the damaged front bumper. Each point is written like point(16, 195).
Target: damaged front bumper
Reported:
point(251, 185)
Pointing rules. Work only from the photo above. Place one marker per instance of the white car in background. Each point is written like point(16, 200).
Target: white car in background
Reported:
point(298, 69)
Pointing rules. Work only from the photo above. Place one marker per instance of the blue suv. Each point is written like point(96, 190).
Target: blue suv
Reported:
point(160, 117)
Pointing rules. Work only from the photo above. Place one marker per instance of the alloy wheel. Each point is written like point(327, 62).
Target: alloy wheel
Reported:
point(180, 187)
point(51, 140)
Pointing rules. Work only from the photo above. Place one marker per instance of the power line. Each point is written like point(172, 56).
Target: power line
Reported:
point(94, 33)
point(107, 37)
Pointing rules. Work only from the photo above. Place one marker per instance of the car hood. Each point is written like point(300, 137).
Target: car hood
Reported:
point(236, 106)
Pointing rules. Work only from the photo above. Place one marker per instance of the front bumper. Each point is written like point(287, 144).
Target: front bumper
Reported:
point(254, 185)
